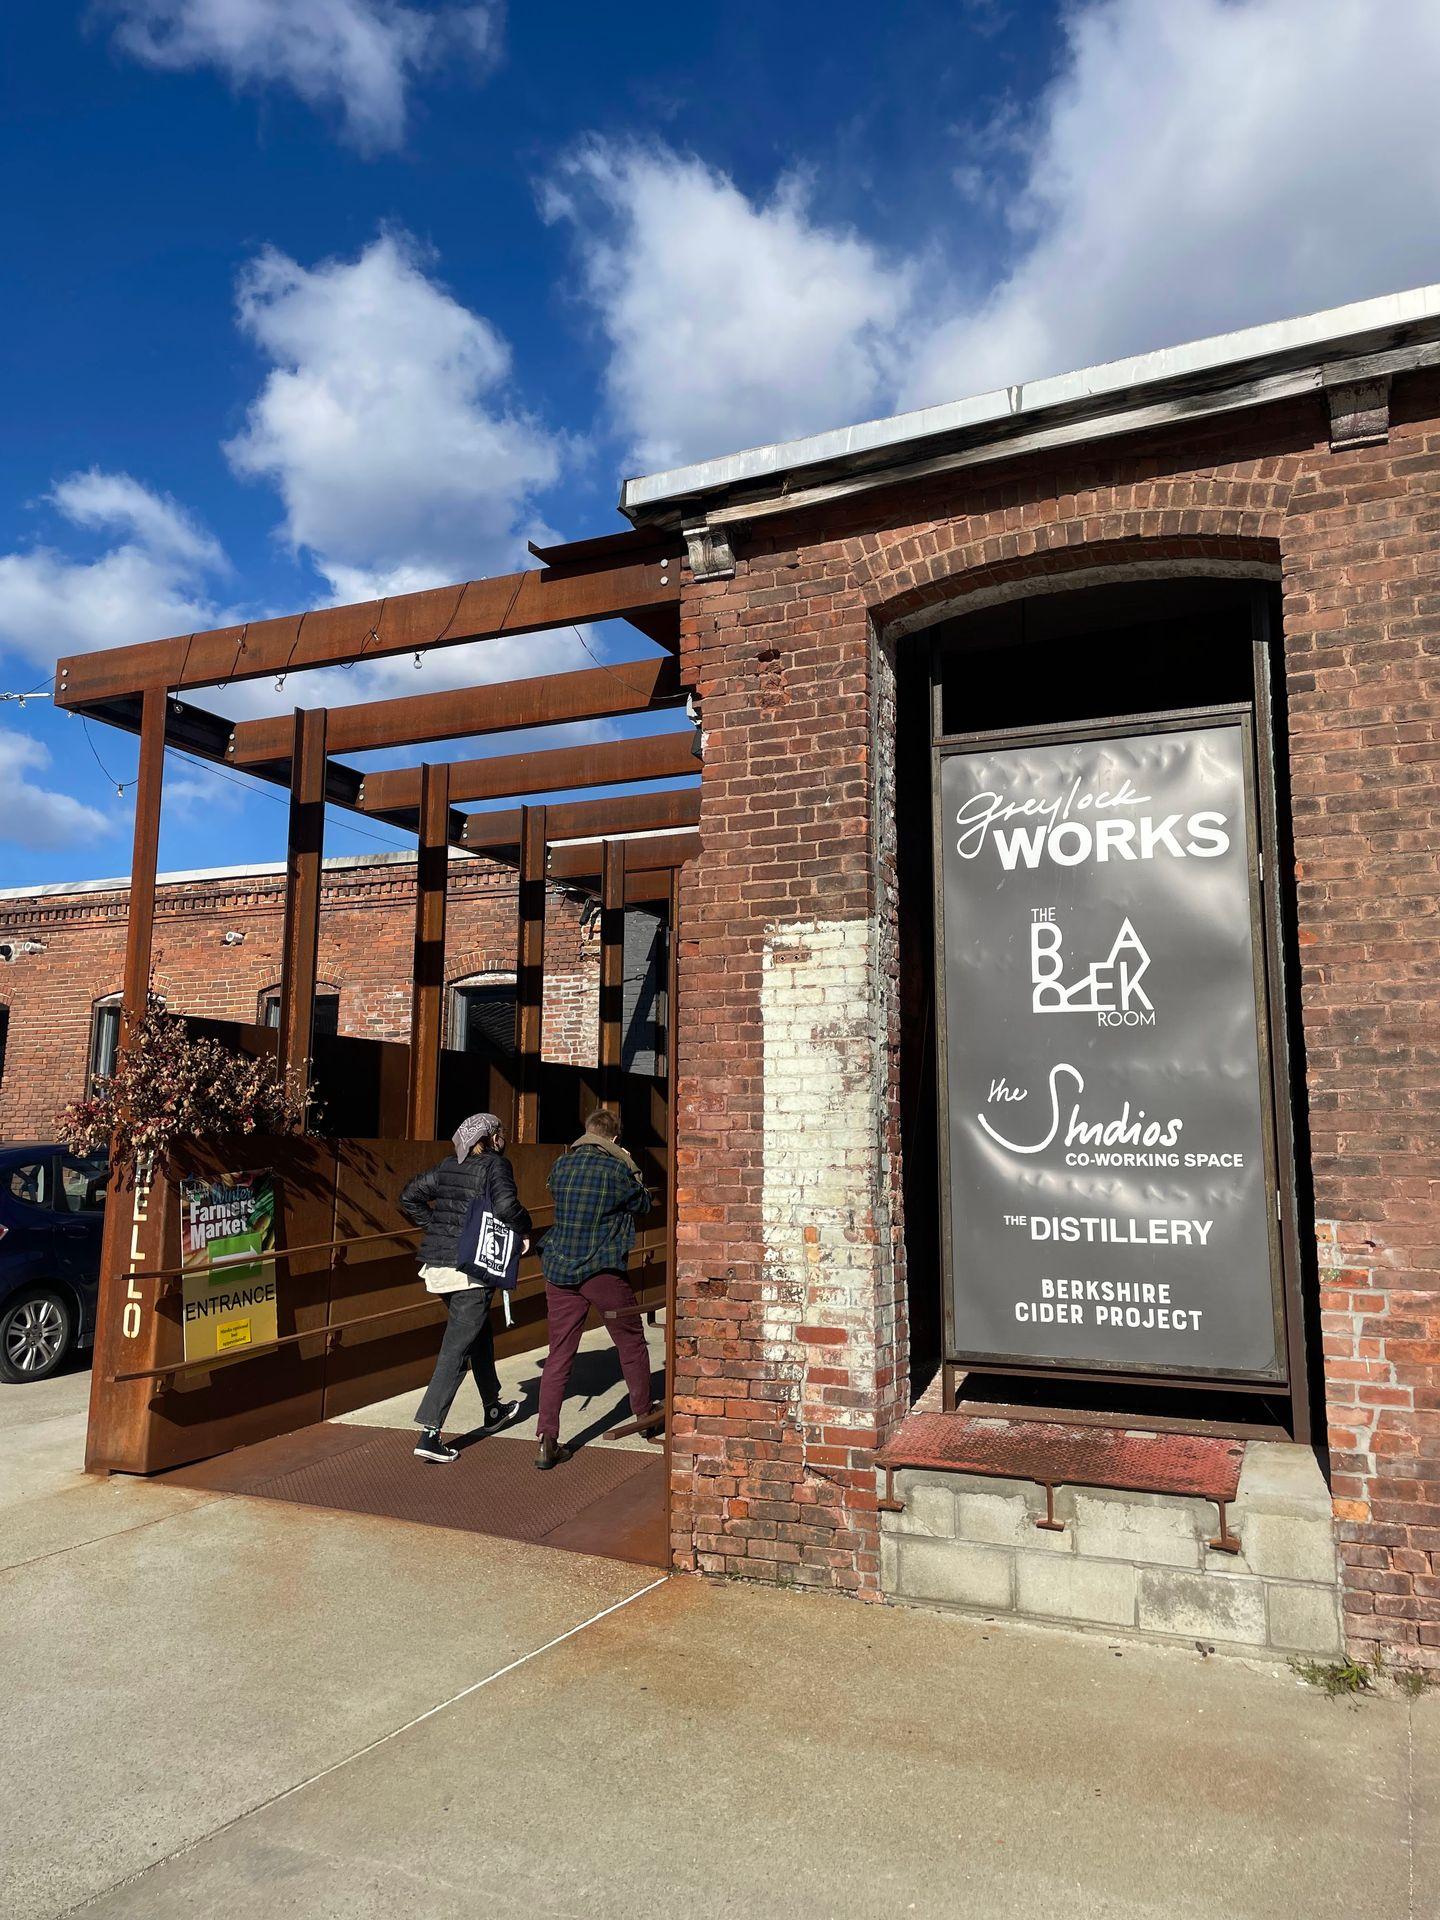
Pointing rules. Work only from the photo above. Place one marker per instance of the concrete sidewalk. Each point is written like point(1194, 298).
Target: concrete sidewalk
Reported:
point(224, 1706)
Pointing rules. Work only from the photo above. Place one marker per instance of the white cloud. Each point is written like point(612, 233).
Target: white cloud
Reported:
point(152, 580)
point(730, 322)
point(1194, 167)
point(106, 501)
point(1205, 165)
point(385, 425)
point(36, 816)
point(357, 57)
point(194, 791)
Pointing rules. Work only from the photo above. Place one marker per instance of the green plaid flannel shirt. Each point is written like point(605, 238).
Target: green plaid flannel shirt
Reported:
point(597, 1202)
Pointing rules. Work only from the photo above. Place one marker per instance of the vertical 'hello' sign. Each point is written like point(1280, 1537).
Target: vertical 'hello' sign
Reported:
point(1109, 1200)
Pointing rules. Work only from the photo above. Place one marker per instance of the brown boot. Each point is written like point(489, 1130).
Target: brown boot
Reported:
point(553, 1453)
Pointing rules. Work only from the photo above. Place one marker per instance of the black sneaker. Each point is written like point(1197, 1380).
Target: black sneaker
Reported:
point(501, 1415)
point(431, 1447)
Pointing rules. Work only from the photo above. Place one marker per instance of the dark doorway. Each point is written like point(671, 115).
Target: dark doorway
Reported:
point(327, 1011)
point(1138, 649)
point(482, 1017)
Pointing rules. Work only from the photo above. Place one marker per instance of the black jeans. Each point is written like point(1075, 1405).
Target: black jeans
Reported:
point(469, 1340)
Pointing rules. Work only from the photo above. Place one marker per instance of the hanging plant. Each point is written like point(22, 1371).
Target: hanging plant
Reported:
point(170, 1085)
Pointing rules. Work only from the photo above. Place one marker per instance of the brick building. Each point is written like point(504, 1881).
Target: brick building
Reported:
point(217, 954)
point(1280, 485)
point(1138, 666)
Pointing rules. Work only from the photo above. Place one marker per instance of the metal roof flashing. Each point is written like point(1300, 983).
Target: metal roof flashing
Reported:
point(1366, 339)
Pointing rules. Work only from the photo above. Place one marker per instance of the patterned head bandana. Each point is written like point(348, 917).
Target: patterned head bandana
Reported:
point(480, 1126)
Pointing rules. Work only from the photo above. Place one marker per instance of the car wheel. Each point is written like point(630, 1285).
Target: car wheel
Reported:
point(37, 1330)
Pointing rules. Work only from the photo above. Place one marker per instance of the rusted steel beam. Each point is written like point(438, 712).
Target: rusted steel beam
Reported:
point(207, 737)
point(608, 549)
point(652, 853)
point(375, 629)
point(610, 763)
point(645, 889)
point(672, 1155)
point(427, 1003)
point(546, 700)
point(612, 970)
point(125, 1324)
point(304, 856)
point(530, 974)
point(574, 819)
point(140, 922)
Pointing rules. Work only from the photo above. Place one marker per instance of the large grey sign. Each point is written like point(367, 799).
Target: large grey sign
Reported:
point(1108, 1195)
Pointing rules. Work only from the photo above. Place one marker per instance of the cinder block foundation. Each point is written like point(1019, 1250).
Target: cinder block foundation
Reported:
point(1131, 1563)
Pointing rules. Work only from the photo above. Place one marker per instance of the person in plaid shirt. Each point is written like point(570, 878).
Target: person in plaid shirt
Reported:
point(598, 1195)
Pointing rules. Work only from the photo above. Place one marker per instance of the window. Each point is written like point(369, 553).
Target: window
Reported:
point(482, 1015)
point(32, 1182)
point(4, 1036)
point(327, 1009)
point(104, 1037)
point(83, 1183)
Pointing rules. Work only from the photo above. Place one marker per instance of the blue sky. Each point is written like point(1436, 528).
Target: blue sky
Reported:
point(316, 299)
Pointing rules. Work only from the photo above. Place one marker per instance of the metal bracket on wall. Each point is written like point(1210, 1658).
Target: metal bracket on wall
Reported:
point(1050, 1524)
point(1225, 1541)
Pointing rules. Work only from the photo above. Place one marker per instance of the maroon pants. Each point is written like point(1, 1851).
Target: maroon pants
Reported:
point(567, 1309)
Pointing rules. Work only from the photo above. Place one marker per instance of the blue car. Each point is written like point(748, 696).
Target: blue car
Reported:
point(52, 1212)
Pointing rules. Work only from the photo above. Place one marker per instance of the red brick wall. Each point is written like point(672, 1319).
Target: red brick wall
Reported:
point(1362, 624)
point(572, 1008)
point(366, 934)
point(788, 1323)
point(790, 1337)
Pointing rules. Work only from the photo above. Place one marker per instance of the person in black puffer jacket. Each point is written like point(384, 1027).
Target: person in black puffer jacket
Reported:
point(438, 1202)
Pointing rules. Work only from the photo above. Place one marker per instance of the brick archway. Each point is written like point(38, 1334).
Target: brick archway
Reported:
point(904, 595)
point(473, 963)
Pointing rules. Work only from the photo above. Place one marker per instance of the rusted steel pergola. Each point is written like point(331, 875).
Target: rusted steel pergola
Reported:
point(627, 848)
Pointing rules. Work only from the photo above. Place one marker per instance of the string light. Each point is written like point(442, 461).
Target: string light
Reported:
point(119, 785)
point(603, 665)
point(280, 800)
point(122, 787)
point(42, 692)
